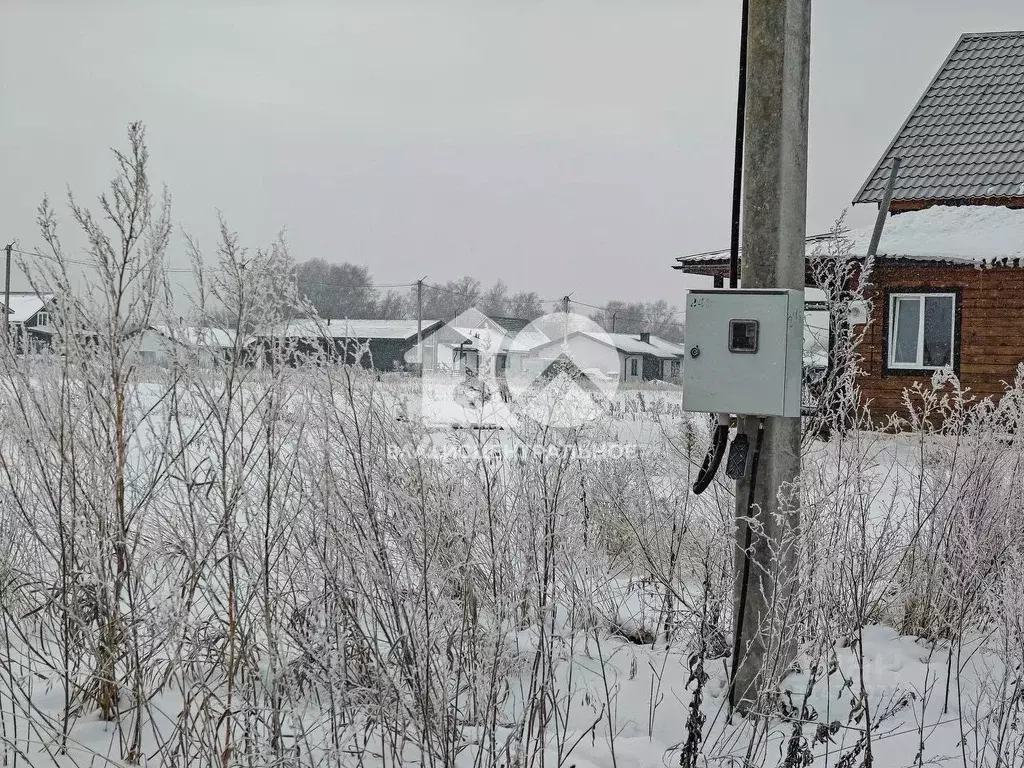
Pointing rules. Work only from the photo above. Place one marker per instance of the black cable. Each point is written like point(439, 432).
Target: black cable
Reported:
point(737, 174)
point(738, 634)
point(713, 459)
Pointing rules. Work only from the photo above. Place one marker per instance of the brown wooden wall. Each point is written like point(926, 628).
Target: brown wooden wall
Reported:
point(902, 206)
point(991, 329)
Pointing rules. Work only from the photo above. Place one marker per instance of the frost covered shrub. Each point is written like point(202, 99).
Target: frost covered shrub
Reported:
point(966, 505)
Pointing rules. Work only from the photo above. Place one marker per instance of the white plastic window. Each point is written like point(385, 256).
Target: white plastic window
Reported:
point(921, 330)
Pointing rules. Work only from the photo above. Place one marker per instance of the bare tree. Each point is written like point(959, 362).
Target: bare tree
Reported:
point(657, 317)
point(88, 423)
point(339, 290)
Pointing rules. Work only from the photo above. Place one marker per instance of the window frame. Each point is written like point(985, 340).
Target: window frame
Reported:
point(42, 318)
point(634, 366)
point(892, 368)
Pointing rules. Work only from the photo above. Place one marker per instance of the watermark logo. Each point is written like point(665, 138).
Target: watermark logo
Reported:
point(498, 452)
point(561, 370)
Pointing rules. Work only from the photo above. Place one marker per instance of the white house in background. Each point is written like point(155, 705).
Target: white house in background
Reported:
point(159, 344)
point(628, 357)
point(671, 367)
point(473, 339)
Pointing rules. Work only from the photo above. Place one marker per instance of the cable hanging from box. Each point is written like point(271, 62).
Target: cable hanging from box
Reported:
point(713, 459)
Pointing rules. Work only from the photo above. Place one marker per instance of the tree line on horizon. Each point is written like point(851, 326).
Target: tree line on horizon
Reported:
point(348, 290)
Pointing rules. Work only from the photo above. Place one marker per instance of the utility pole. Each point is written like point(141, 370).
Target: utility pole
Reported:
point(565, 319)
point(613, 321)
point(7, 294)
point(774, 231)
point(419, 325)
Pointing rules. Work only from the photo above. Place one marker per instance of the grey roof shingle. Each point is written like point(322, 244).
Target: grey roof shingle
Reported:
point(965, 137)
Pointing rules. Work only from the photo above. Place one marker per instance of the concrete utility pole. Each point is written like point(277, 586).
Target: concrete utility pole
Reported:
point(7, 294)
point(774, 231)
point(419, 326)
point(565, 320)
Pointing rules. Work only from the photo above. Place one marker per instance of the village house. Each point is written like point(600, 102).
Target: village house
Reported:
point(474, 339)
point(160, 344)
point(947, 285)
point(621, 356)
point(30, 320)
point(383, 345)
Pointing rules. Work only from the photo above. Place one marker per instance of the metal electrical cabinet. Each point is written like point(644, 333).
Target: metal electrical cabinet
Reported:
point(744, 352)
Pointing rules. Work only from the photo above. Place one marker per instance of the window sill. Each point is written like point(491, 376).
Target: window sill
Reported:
point(889, 371)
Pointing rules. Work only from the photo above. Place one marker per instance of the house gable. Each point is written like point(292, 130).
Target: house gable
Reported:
point(963, 142)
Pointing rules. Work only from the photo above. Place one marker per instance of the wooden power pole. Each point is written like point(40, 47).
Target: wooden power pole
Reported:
point(774, 230)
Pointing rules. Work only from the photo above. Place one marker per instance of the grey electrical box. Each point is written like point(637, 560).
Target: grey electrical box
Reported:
point(744, 352)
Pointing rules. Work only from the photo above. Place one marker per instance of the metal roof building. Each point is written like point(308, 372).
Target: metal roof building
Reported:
point(964, 140)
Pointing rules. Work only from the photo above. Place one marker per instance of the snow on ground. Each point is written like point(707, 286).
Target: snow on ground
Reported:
point(620, 695)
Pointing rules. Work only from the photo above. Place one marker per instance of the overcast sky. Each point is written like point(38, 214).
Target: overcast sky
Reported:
point(562, 145)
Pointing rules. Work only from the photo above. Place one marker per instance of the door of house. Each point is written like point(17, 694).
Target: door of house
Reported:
point(634, 367)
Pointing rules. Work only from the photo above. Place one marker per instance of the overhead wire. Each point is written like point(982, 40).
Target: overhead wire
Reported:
point(188, 271)
point(388, 286)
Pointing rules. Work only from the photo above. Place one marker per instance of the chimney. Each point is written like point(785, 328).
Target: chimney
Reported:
point(645, 337)
point(328, 322)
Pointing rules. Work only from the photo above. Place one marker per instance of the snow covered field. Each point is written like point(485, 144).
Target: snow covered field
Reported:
point(282, 569)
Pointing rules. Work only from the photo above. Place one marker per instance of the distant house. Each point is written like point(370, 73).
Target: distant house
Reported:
point(380, 344)
point(474, 339)
point(947, 287)
point(159, 344)
point(627, 357)
point(30, 319)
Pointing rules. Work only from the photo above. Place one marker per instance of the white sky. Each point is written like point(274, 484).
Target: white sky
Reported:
point(563, 145)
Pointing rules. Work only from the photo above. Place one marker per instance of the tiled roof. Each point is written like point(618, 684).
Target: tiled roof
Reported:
point(965, 137)
point(512, 325)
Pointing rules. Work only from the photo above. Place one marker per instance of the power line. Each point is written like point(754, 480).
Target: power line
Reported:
point(187, 271)
point(303, 281)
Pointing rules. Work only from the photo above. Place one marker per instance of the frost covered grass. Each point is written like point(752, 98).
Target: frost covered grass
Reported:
point(292, 587)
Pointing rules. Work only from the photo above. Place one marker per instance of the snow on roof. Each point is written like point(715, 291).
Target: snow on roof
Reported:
point(668, 346)
point(973, 234)
point(721, 255)
point(631, 344)
point(496, 339)
point(24, 305)
point(198, 336)
point(352, 329)
point(958, 234)
point(528, 338)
